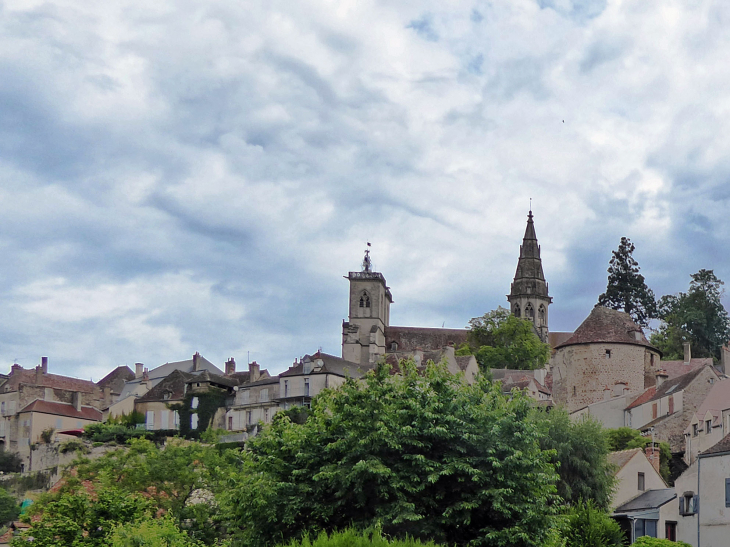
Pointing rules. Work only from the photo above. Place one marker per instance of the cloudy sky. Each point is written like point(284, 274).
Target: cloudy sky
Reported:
point(179, 176)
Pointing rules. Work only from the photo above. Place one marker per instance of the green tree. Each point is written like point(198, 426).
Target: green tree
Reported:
point(589, 526)
point(580, 452)
point(626, 288)
point(10, 462)
point(424, 455)
point(697, 317)
point(149, 532)
point(354, 538)
point(9, 508)
point(79, 517)
point(625, 438)
point(500, 340)
point(646, 541)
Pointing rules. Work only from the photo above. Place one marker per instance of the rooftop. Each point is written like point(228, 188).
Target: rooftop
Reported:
point(651, 499)
point(63, 409)
point(622, 457)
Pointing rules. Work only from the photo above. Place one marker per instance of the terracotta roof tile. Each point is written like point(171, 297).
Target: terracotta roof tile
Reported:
point(63, 409)
point(19, 375)
point(643, 398)
point(607, 325)
point(622, 457)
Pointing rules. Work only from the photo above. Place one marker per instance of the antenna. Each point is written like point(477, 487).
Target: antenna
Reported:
point(530, 204)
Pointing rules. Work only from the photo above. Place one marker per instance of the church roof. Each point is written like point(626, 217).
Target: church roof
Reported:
point(426, 339)
point(529, 277)
point(607, 325)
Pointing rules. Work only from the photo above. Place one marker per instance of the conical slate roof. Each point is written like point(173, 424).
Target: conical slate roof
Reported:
point(607, 325)
point(529, 277)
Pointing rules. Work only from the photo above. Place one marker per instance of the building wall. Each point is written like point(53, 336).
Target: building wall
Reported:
point(359, 343)
point(161, 418)
point(581, 373)
point(628, 480)
point(643, 414)
point(714, 516)
point(686, 524)
point(610, 412)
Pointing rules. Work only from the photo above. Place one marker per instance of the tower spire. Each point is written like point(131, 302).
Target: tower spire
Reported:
point(528, 295)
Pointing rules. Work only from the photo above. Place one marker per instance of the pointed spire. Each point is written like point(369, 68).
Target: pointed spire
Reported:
point(529, 277)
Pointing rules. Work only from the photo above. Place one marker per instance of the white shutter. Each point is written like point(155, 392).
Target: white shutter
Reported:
point(193, 421)
point(150, 420)
point(164, 419)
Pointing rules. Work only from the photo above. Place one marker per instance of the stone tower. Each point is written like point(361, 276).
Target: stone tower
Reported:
point(363, 335)
point(528, 297)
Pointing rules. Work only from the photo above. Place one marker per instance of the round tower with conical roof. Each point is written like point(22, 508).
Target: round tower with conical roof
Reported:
point(528, 297)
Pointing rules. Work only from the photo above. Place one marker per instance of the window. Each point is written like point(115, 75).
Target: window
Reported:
point(671, 404)
point(608, 354)
point(689, 503)
point(364, 300)
point(651, 355)
point(194, 403)
point(230, 423)
point(645, 527)
point(517, 310)
point(708, 426)
point(286, 388)
point(641, 482)
point(695, 430)
point(529, 311)
point(541, 313)
point(727, 492)
point(306, 387)
point(264, 396)
point(573, 391)
point(175, 419)
point(248, 417)
point(266, 415)
point(193, 421)
point(394, 346)
point(654, 411)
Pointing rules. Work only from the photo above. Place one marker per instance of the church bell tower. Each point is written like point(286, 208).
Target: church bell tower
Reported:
point(528, 297)
point(363, 334)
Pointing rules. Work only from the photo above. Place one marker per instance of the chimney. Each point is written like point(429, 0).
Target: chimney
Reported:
point(687, 353)
point(145, 375)
point(661, 377)
point(652, 454)
point(230, 366)
point(606, 393)
point(15, 367)
point(44, 364)
point(196, 362)
point(76, 399)
point(38, 375)
point(254, 371)
point(138, 369)
point(107, 396)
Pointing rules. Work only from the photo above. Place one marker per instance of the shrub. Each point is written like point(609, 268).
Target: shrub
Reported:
point(588, 526)
point(10, 462)
point(47, 435)
point(352, 538)
point(73, 445)
point(646, 541)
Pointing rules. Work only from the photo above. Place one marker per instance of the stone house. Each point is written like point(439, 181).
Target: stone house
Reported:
point(254, 402)
point(710, 424)
point(607, 353)
point(635, 473)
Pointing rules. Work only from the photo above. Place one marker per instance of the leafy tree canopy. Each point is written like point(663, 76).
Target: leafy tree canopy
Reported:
point(150, 532)
point(589, 526)
point(627, 290)
point(580, 450)
point(500, 340)
point(697, 317)
point(9, 508)
point(424, 455)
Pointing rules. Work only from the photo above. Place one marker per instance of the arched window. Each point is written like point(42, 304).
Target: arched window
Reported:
point(541, 314)
point(394, 346)
point(529, 311)
point(364, 300)
point(517, 310)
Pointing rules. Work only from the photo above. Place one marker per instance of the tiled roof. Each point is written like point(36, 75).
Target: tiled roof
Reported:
point(330, 365)
point(643, 398)
point(63, 409)
point(205, 376)
point(423, 338)
point(677, 384)
point(173, 385)
point(557, 338)
point(463, 361)
point(622, 457)
point(719, 448)
point(677, 368)
point(163, 371)
point(651, 499)
point(116, 379)
point(607, 325)
point(19, 375)
point(243, 376)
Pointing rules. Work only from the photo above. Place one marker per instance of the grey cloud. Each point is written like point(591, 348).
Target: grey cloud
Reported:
point(424, 28)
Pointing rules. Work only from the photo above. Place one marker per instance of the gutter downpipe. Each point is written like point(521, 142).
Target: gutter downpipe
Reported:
point(699, 468)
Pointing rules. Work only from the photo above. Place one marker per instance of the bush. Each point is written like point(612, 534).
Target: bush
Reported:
point(73, 445)
point(119, 433)
point(47, 435)
point(646, 541)
point(10, 462)
point(588, 526)
point(352, 538)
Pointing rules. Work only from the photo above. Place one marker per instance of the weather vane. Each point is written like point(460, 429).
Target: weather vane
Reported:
point(366, 263)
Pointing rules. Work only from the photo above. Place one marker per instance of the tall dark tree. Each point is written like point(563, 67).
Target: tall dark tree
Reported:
point(626, 288)
point(697, 317)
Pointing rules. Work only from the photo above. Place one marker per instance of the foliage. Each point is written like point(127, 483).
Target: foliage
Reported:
point(130, 420)
point(79, 517)
point(498, 339)
point(47, 435)
point(105, 432)
point(581, 456)
point(625, 438)
point(9, 508)
point(297, 414)
point(208, 404)
point(354, 538)
point(646, 541)
point(697, 317)
point(426, 456)
point(10, 462)
point(589, 526)
point(149, 532)
point(626, 288)
point(183, 478)
point(73, 445)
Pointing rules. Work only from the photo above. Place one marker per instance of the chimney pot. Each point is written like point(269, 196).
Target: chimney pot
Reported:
point(652, 454)
point(196, 362)
point(44, 364)
point(230, 366)
point(661, 376)
point(138, 370)
point(254, 371)
point(687, 353)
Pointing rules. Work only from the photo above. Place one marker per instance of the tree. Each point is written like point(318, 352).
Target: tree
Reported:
point(625, 438)
point(9, 508)
point(697, 317)
point(580, 453)
point(589, 526)
point(626, 288)
point(151, 532)
point(422, 455)
point(10, 462)
point(500, 340)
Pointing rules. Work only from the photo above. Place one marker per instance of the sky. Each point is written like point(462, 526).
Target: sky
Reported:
point(180, 176)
